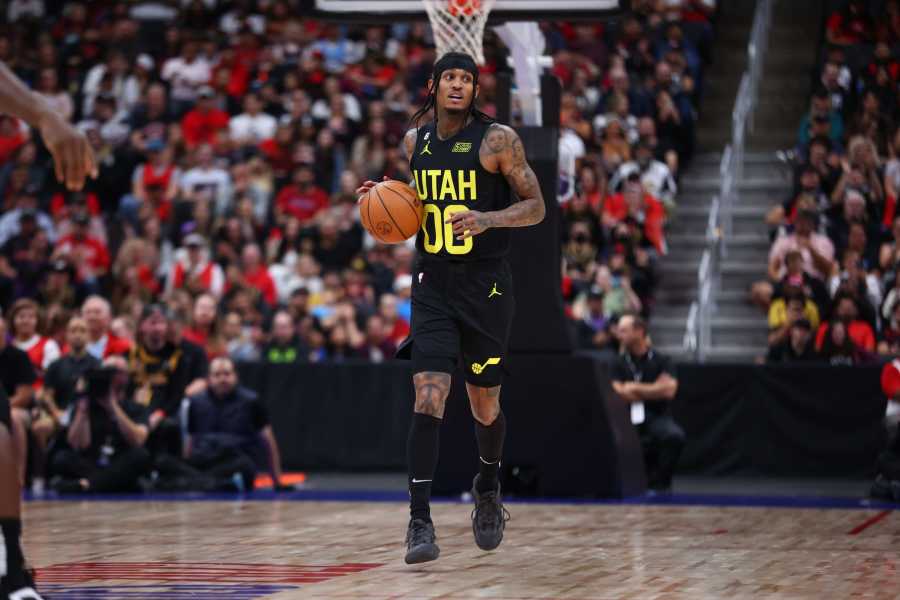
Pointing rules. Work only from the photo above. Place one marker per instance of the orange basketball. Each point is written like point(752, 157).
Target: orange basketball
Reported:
point(391, 211)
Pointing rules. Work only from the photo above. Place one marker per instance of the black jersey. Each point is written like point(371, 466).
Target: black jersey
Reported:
point(449, 179)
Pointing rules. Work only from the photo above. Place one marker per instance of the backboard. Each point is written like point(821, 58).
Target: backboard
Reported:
point(504, 10)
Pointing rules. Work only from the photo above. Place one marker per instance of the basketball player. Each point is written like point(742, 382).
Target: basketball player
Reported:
point(474, 182)
point(73, 160)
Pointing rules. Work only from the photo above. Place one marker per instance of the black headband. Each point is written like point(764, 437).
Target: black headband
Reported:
point(455, 60)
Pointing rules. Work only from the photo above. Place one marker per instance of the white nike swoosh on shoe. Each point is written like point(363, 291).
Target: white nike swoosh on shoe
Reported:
point(420, 480)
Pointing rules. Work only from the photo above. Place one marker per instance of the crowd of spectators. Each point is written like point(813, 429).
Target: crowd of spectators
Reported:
point(833, 287)
point(222, 225)
point(231, 137)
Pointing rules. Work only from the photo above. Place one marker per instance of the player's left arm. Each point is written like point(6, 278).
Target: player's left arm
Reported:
point(502, 150)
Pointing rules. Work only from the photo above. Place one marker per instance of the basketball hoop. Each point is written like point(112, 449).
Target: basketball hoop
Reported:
point(458, 25)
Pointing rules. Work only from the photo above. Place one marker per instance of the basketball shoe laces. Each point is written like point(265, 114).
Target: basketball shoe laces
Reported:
point(489, 512)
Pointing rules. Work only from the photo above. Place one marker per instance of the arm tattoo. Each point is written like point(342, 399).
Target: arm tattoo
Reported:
point(432, 389)
point(528, 208)
point(409, 142)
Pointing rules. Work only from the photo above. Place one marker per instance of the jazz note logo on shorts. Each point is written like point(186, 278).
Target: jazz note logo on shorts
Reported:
point(478, 368)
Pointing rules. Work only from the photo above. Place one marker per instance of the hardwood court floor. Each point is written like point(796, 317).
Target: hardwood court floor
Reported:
point(280, 550)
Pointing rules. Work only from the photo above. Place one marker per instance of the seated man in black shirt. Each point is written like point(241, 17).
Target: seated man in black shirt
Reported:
point(228, 436)
point(647, 381)
point(62, 375)
point(105, 441)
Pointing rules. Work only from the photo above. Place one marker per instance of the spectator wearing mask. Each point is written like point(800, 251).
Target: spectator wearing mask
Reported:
point(102, 343)
point(846, 312)
point(228, 430)
point(194, 270)
point(285, 347)
point(105, 441)
point(25, 318)
point(796, 347)
point(646, 380)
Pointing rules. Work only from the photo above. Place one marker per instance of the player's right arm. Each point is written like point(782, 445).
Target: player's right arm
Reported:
point(73, 157)
point(409, 144)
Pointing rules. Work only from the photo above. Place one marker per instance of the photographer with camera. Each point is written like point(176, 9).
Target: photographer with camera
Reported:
point(104, 443)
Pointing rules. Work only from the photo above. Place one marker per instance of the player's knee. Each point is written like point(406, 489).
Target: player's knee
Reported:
point(432, 390)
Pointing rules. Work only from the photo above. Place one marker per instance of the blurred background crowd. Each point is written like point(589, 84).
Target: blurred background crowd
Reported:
point(231, 136)
point(833, 288)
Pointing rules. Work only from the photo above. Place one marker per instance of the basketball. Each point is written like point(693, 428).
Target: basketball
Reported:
point(391, 211)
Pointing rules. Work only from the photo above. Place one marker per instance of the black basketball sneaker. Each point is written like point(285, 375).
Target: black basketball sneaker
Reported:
point(420, 545)
point(22, 588)
point(489, 517)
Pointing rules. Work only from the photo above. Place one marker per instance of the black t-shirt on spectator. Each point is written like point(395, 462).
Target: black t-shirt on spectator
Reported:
point(15, 369)
point(197, 363)
point(152, 126)
point(644, 369)
point(63, 374)
point(785, 353)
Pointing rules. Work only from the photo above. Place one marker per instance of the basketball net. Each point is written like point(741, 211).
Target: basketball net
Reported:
point(458, 25)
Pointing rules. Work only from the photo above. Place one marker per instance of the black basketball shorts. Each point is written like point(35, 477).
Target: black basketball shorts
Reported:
point(461, 313)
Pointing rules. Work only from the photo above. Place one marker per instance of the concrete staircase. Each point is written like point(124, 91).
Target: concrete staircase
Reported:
point(739, 330)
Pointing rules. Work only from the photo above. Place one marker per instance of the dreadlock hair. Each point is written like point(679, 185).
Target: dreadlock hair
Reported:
point(450, 60)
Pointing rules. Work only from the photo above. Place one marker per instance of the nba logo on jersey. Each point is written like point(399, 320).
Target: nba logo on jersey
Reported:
point(426, 136)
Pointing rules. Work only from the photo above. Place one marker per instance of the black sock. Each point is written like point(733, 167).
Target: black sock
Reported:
point(15, 562)
point(490, 448)
point(421, 456)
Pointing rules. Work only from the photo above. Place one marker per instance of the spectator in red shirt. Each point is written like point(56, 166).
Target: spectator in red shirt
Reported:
point(89, 255)
point(642, 207)
point(194, 270)
point(101, 342)
point(256, 275)
point(204, 330)
point(204, 123)
point(859, 331)
point(302, 199)
point(12, 135)
point(850, 25)
point(395, 325)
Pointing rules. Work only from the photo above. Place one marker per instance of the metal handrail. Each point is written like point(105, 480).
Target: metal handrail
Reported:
point(698, 329)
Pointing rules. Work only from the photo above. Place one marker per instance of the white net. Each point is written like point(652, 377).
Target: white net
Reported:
point(458, 25)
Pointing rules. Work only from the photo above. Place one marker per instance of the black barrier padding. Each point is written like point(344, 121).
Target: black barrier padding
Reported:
point(780, 421)
point(539, 326)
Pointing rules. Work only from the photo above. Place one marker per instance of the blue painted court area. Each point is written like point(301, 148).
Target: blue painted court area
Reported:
point(175, 591)
point(676, 499)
